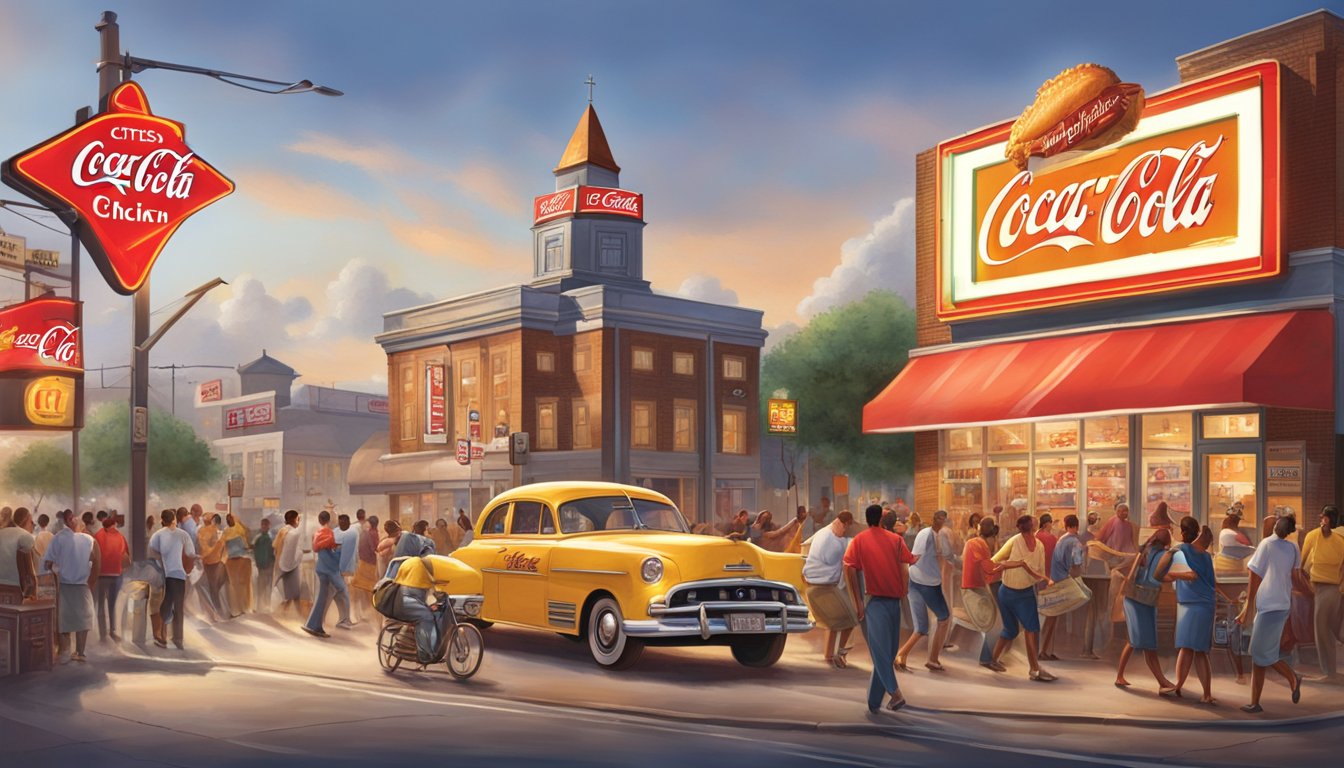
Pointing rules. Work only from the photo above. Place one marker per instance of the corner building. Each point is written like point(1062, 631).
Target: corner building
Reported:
point(610, 380)
point(1192, 360)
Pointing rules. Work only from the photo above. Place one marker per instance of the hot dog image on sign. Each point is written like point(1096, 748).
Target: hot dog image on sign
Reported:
point(125, 180)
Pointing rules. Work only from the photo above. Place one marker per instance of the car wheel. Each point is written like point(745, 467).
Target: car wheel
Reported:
point(607, 641)
point(758, 650)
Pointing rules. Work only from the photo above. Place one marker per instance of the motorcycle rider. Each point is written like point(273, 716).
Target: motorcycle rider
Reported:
point(413, 604)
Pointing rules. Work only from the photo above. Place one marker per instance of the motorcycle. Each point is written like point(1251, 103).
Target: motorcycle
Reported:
point(460, 644)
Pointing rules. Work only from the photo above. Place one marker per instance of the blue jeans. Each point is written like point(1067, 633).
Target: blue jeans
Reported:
point(329, 587)
point(923, 599)
point(882, 629)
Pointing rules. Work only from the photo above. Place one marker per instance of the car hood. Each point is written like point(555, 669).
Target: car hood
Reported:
point(695, 556)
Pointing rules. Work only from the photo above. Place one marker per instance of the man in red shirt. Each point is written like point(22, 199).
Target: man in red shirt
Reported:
point(884, 560)
point(115, 555)
point(1047, 536)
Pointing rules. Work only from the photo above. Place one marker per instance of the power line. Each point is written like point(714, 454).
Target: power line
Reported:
point(4, 205)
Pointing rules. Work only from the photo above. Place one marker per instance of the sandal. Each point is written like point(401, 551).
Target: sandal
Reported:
point(1297, 689)
point(1252, 708)
point(839, 662)
point(900, 667)
point(934, 666)
point(1171, 692)
point(1041, 676)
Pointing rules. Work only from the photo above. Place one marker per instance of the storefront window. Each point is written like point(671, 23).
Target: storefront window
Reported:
point(1231, 479)
point(962, 492)
point(1168, 430)
point(1008, 438)
point(1221, 426)
point(968, 441)
point(1057, 485)
point(1056, 435)
point(1005, 481)
point(1166, 477)
point(1106, 432)
point(1107, 484)
point(1285, 477)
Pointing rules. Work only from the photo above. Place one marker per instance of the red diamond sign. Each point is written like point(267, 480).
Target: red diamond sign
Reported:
point(126, 181)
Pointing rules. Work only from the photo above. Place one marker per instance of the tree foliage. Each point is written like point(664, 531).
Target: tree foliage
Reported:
point(178, 458)
point(42, 470)
point(841, 360)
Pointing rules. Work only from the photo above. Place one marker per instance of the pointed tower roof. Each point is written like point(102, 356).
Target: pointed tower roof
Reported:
point(588, 145)
point(267, 365)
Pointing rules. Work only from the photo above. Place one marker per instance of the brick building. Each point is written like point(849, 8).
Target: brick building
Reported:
point(1193, 361)
point(610, 380)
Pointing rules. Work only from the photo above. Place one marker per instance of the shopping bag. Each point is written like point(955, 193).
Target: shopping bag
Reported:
point(1061, 597)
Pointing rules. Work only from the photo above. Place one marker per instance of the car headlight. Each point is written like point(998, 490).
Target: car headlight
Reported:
point(473, 608)
point(652, 570)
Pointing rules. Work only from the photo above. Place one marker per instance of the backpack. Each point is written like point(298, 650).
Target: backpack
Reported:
point(387, 592)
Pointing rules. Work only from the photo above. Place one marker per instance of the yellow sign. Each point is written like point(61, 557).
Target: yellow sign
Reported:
point(50, 401)
point(783, 417)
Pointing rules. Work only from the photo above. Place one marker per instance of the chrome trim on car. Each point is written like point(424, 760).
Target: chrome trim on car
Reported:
point(590, 570)
point(708, 618)
point(743, 566)
point(515, 573)
point(691, 627)
point(561, 614)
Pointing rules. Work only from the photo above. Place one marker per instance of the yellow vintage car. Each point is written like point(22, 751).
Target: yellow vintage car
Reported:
point(616, 566)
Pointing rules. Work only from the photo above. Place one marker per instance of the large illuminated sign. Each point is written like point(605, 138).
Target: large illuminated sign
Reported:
point(128, 176)
point(604, 200)
point(1189, 198)
point(41, 336)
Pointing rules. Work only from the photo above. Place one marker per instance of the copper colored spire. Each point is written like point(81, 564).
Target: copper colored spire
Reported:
point(588, 145)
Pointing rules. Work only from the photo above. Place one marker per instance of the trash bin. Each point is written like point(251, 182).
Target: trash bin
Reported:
point(136, 613)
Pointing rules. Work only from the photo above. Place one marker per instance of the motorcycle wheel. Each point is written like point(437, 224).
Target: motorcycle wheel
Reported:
point(387, 657)
point(464, 652)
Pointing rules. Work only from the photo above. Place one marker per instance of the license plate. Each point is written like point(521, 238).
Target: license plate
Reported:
point(746, 622)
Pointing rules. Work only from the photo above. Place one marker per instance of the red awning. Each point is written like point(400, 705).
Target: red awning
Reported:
point(1283, 359)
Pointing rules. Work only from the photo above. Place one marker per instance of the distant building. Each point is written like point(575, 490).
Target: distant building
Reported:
point(610, 380)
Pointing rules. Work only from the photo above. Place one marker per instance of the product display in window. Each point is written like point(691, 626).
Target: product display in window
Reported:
point(1056, 435)
point(1008, 438)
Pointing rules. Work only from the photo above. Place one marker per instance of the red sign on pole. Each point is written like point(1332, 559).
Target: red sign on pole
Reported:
point(212, 390)
point(128, 176)
point(244, 416)
point(463, 451)
point(436, 415)
point(41, 335)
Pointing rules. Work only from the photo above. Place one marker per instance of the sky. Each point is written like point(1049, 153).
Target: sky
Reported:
point(774, 143)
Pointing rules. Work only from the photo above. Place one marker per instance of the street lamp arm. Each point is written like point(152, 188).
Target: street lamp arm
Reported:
point(135, 64)
point(193, 296)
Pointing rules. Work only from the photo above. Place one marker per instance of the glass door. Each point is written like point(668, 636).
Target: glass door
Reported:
point(1231, 477)
point(1005, 481)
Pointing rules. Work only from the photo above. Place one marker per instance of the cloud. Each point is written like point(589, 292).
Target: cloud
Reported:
point(703, 287)
point(883, 258)
point(253, 313)
point(357, 299)
point(291, 196)
point(373, 158)
point(778, 334)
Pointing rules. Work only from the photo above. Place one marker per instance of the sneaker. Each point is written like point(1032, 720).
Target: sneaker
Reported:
point(78, 657)
point(313, 632)
point(161, 642)
point(343, 624)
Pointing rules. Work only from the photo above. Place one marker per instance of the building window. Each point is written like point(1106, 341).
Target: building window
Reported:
point(333, 477)
point(467, 399)
point(611, 252)
point(300, 477)
point(546, 425)
point(546, 362)
point(683, 363)
point(583, 436)
point(643, 359)
point(555, 252)
point(734, 367)
point(499, 367)
point(734, 429)
point(583, 358)
point(408, 402)
point(683, 425)
point(642, 425)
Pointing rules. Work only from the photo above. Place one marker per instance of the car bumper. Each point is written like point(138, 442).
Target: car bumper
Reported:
point(710, 619)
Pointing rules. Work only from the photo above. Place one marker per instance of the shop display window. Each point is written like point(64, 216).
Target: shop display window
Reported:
point(968, 441)
point(1166, 477)
point(962, 492)
point(1106, 432)
point(1009, 438)
point(1005, 481)
point(1223, 426)
point(1168, 430)
point(1057, 485)
point(1107, 484)
point(1057, 435)
point(1231, 479)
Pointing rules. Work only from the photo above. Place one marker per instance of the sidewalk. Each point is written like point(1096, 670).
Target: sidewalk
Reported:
point(706, 685)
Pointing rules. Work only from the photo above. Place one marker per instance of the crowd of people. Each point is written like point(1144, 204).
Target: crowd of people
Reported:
point(1024, 583)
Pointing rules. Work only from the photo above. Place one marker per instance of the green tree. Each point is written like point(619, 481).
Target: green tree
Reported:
point(833, 366)
point(42, 470)
point(178, 458)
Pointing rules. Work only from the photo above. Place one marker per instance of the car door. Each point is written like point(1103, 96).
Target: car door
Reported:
point(483, 554)
point(522, 564)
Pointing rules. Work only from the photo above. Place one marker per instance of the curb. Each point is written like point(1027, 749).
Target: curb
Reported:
point(781, 724)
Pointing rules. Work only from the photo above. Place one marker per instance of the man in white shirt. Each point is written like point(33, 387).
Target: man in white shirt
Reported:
point(18, 577)
point(1275, 570)
point(170, 545)
point(288, 558)
point(73, 557)
point(926, 593)
point(823, 571)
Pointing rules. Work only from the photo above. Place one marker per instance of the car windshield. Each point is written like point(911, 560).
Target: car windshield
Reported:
point(619, 513)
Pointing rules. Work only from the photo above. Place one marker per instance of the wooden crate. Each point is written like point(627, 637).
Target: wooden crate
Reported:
point(31, 628)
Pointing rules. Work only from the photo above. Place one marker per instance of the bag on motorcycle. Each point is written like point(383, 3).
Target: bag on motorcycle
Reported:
point(386, 593)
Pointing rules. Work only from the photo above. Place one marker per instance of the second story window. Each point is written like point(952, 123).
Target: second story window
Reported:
point(643, 359)
point(555, 252)
point(611, 252)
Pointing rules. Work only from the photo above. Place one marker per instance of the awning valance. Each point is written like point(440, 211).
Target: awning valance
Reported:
point(1283, 359)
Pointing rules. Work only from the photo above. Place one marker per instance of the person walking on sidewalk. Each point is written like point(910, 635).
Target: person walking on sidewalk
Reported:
point(831, 604)
point(926, 593)
point(289, 557)
point(980, 579)
point(172, 547)
point(211, 543)
point(1066, 562)
point(1274, 574)
point(1323, 561)
point(330, 584)
point(348, 538)
point(1023, 560)
point(263, 554)
point(113, 554)
point(882, 558)
point(1196, 599)
point(238, 566)
point(74, 558)
point(1142, 587)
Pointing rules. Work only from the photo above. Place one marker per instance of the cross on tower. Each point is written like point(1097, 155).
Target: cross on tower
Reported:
point(590, 82)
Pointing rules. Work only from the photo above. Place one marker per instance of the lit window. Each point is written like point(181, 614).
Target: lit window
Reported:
point(643, 359)
point(734, 367)
point(546, 425)
point(683, 363)
point(734, 429)
point(583, 436)
point(683, 425)
point(641, 421)
point(408, 402)
point(555, 252)
point(583, 358)
point(546, 362)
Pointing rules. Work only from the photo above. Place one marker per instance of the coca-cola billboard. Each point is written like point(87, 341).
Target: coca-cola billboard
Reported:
point(125, 180)
point(255, 415)
point(1189, 198)
point(554, 206)
point(616, 202)
point(42, 336)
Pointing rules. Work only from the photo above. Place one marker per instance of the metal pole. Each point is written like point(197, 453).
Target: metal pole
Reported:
point(79, 386)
